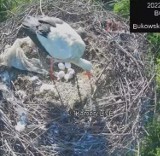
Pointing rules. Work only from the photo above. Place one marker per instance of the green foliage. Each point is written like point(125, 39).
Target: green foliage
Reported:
point(8, 7)
point(151, 144)
point(154, 39)
point(19, 3)
point(122, 7)
point(5, 5)
point(158, 152)
point(158, 75)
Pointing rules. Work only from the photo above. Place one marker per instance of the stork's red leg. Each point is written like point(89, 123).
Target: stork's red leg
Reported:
point(51, 69)
point(89, 74)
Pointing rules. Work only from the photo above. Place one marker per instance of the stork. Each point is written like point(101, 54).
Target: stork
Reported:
point(58, 40)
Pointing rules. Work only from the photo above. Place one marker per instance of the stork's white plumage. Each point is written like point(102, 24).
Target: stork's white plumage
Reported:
point(57, 39)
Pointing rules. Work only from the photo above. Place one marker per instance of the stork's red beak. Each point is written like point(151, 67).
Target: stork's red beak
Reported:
point(89, 74)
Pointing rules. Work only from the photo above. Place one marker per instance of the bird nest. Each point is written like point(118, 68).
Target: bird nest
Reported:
point(102, 116)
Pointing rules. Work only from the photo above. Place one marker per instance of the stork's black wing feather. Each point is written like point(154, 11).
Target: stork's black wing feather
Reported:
point(50, 20)
point(43, 29)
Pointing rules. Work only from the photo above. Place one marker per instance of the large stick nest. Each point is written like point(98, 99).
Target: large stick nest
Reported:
point(123, 89)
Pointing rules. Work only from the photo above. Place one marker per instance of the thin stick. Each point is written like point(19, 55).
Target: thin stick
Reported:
point(9, 148)
point(103, 70)
point(40, 6)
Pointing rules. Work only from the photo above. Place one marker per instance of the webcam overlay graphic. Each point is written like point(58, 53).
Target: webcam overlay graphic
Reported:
point(144, 15)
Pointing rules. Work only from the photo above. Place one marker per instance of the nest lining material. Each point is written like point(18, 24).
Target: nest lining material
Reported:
point(121, 87)
point(15, 56)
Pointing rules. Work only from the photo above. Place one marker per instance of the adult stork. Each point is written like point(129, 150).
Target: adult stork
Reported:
point(58, 40)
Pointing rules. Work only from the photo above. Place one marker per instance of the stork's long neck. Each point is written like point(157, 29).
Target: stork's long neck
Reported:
point(35, 39)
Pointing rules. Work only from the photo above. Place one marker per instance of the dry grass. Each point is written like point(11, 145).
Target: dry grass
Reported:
point(122, 87)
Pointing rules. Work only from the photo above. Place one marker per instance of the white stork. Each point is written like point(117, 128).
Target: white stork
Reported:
point(58, 40)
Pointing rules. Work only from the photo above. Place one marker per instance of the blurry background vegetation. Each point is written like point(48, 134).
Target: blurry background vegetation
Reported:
point(8, 7)
point(150, 146)
point(5, 5)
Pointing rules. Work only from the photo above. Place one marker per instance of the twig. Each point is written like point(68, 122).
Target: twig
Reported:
point(103, 70)
point(9, 148)
point(40, 6)
point(96, 87)
point(143, 89)
point(58, 92)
